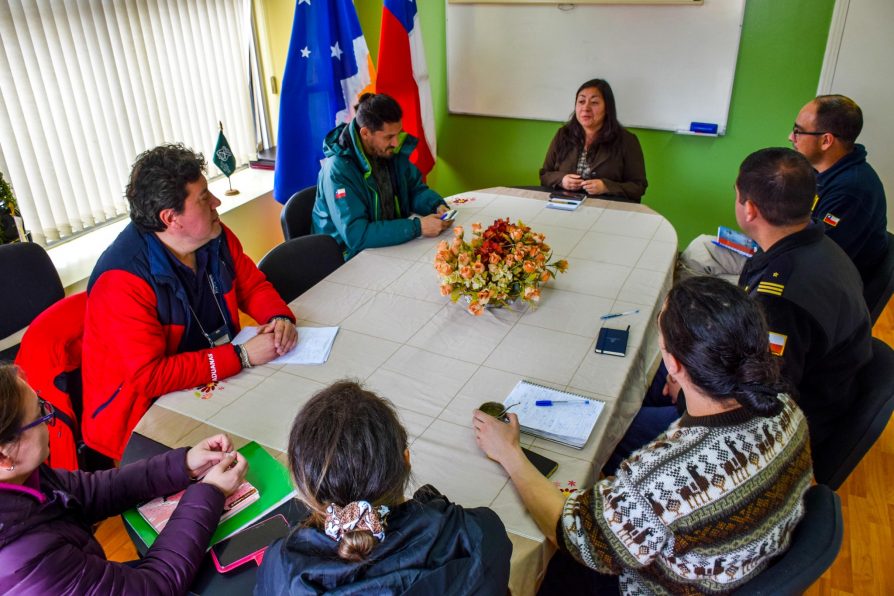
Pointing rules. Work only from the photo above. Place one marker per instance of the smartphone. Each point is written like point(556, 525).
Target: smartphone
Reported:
point(449, 215)
point(568, 195)
point(544, 465)
point(249, 544)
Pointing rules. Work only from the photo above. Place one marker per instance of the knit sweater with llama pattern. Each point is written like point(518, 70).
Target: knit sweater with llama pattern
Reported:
point(701, 509)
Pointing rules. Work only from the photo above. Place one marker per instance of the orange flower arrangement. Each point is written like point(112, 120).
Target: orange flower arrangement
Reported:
point(500, 264)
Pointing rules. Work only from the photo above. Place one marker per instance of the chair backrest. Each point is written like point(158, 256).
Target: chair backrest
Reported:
point(296, 218)
point(297, 265)
point(836, 458)
point(50, 357)
point(814, 545)
point(30, 285)
point(877, 290)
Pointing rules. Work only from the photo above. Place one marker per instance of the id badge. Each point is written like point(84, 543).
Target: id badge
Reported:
point(219, 336)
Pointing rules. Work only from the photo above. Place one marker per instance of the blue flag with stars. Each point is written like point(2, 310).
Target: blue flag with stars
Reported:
point(327, 68)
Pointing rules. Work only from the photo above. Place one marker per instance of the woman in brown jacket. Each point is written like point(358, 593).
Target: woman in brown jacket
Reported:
point(592, 152)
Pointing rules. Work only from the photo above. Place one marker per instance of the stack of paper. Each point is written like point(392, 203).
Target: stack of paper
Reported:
point(569, 420)
point(314, 344)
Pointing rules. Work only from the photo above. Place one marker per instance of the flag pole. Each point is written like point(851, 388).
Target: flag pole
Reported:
point(232, 191)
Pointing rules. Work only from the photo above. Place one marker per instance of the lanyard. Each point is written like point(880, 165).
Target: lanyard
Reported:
point(221, 335)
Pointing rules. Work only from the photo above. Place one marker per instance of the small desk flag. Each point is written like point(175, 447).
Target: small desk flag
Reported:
point(327, 69)
point(223, 155)
point(403, 74)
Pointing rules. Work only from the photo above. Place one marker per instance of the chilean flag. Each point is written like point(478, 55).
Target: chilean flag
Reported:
point(403, 74)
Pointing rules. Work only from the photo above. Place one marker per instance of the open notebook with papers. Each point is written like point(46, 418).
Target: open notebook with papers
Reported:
point(569, 420)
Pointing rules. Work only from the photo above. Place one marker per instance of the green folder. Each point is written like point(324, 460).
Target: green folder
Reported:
point(265, 473)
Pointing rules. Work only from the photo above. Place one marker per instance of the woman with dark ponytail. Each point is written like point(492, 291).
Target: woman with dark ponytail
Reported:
point(707, 504)
point(351, 466)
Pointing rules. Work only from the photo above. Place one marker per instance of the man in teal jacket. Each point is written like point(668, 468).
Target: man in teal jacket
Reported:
point(368, 188)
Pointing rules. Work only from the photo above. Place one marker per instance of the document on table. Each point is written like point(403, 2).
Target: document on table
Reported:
point(569, 421)
point(314, 344)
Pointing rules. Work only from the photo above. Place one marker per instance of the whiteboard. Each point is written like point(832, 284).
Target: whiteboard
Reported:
point(668, 65)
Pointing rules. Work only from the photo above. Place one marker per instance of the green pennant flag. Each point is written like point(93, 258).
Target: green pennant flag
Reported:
point(223, 155)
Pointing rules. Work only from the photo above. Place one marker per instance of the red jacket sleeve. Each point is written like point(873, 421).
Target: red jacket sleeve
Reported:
point(254, 294)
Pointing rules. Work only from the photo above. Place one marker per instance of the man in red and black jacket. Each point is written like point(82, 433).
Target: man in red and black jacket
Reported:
point(164, 299)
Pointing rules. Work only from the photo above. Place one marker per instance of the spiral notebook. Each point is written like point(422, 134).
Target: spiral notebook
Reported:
point(569, 421)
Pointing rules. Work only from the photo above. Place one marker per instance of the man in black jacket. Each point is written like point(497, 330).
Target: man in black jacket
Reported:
point(810, 289)
point(811, 293)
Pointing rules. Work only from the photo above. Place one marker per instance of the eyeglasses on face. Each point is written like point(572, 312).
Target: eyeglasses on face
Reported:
point(47, 414)
point(797, 130)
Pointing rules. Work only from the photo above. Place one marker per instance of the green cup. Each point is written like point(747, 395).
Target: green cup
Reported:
point(495, 409)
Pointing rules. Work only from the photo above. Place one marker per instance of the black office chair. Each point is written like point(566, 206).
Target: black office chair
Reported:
point(297, 265)
point(878, 289)
point(30, 285)
point(814, 545)
point(296, 216)
point(836, 458)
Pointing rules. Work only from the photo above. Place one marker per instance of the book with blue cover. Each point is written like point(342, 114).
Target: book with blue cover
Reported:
point(735, 241)
point(612, 341)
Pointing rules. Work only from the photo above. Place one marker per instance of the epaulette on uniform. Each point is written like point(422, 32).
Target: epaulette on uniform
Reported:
point(775, 278)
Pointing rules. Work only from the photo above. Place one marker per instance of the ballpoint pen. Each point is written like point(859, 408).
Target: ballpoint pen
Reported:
point(618, 314)
point(561, 402)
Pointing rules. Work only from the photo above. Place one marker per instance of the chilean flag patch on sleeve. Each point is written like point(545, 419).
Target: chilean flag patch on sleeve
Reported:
point(340, 193)
point(831, 220)
point(777, 343)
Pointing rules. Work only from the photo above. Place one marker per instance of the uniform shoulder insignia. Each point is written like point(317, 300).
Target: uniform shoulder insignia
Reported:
point(831, 220)
point(775, 276)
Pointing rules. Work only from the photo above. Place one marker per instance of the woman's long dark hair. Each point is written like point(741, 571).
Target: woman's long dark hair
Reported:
point(571, 136)
point(719, 334)
point(347, 444)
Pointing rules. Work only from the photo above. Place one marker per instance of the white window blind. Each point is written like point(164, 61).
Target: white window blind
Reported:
point(86, 85)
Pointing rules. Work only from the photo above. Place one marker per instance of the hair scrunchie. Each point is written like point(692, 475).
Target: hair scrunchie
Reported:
point(357, 515)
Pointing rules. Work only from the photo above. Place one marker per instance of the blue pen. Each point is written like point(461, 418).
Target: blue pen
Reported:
point(561, 402)
point(618, 314)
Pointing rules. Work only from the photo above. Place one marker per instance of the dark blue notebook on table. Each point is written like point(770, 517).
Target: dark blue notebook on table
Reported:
point(612, 341)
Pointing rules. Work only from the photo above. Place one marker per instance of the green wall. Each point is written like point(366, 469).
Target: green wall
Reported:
point(690, 178)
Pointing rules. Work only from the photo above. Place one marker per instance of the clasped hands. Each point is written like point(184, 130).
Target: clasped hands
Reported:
point(573, 182)
point(272, 341)
point(215, 462)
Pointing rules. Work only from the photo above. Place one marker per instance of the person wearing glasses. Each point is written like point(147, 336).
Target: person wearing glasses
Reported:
point(819, 327)
point(850, 199)
point(47, 515)
point(163, 301)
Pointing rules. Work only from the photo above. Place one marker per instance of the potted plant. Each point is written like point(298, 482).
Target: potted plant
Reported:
point(8, 210)
point(504, 263)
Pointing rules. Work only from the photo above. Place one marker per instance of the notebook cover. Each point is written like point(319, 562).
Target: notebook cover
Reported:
point(265, 473)
point(612, 341)
point(737, 242)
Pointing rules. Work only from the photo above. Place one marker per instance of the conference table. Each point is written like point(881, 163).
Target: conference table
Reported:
point(436, 362)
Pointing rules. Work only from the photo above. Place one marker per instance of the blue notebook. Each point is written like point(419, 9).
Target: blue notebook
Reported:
point(612, 341)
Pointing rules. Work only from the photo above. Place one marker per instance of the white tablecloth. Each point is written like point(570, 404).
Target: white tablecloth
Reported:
point(436, 362)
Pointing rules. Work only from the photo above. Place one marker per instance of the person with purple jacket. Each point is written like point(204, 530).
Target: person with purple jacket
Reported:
point(46, 515)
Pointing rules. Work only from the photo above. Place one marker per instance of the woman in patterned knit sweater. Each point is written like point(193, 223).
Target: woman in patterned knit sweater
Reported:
point(706, 505)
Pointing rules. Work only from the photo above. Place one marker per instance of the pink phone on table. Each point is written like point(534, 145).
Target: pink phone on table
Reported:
point(249, 544)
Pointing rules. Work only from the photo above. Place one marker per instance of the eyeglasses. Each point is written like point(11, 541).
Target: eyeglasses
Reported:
point(796, 130)
point(47, 414)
